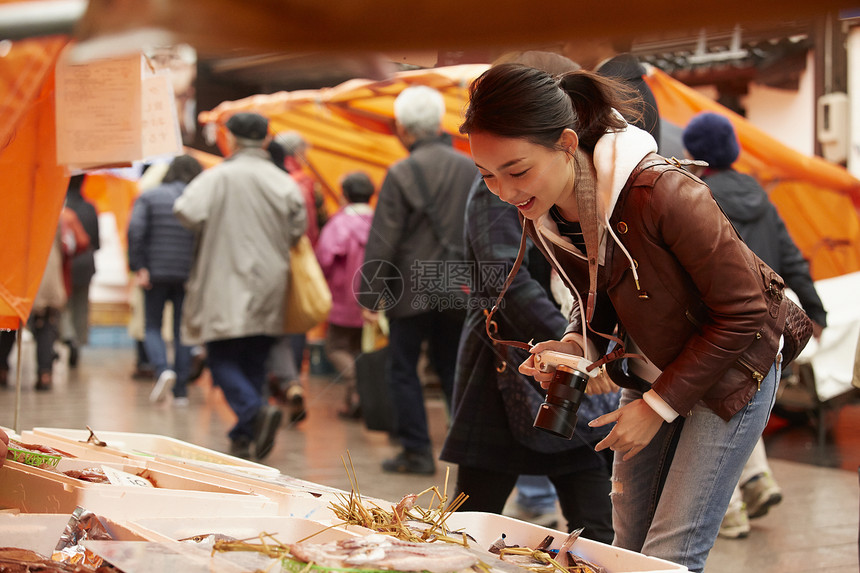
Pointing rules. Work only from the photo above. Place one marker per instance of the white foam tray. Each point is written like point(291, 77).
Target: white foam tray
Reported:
point(486, 528)
point(35, 490)
point(148, 446)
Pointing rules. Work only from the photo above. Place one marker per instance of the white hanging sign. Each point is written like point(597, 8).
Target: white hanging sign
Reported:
point(112, 112)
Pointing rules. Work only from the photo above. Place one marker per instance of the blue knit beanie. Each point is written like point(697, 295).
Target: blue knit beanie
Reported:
point(711, 137)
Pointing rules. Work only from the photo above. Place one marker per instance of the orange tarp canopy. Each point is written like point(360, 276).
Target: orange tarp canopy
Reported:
point(351, 127)
point(818, 200)
point(34, 186)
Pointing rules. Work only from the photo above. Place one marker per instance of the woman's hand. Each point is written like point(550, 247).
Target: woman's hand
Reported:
point(636, 424)
point(528, 368)
point(601, 384)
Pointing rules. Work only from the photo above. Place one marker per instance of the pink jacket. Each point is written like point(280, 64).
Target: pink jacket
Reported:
point(340, 251)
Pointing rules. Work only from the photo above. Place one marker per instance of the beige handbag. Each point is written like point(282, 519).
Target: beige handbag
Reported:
point(308, 299)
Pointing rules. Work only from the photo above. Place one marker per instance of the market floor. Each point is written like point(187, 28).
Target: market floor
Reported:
point(814, 528)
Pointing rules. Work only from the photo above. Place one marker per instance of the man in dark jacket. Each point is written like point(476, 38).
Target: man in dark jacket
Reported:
point(160, 253)
point(415, 244)
point(75, 323)
point(710, 137)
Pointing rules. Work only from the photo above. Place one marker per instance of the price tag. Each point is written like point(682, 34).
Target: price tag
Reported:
point(119, 477)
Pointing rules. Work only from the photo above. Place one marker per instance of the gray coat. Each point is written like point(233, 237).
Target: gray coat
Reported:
point(247, 213)
point(402, 234)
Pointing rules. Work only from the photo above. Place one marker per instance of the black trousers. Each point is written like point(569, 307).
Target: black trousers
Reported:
point(583, 497)
point(45, 326)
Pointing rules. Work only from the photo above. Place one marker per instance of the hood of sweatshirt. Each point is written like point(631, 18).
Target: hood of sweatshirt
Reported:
point(739, 195)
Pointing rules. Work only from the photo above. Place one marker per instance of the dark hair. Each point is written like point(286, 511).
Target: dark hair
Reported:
point(183, 168)
point(276, 151)
point(516, 101)
point(357, 187)
point(75, 184)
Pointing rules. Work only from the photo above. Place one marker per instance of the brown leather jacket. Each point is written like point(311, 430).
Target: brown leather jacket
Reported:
point(706, 311)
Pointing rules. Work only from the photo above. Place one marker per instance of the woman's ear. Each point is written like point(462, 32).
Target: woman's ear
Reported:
point(568, 141)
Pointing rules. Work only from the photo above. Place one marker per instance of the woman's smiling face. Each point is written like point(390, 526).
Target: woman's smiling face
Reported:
point(527, 175)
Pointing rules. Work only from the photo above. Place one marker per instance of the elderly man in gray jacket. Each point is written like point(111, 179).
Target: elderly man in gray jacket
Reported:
point(247, 214)
point(417, 237)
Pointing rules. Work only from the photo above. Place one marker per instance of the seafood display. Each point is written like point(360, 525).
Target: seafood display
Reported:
point(541, 559)
point(422, 532)
point(409, 537)
point(406, 520)
point(377, 551)
point(48, 458)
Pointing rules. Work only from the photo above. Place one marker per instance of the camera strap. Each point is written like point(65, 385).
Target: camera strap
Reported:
point(490, 325)
point(492, 328)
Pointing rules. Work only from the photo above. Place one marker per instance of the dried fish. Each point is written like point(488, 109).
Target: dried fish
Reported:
point(407, 520)
point(379, 551)
point(544, 560)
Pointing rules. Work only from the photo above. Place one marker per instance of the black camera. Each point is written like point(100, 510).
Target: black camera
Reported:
point(557, 414)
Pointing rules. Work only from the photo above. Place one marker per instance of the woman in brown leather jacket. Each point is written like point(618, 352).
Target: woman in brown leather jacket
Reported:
point(659, 271)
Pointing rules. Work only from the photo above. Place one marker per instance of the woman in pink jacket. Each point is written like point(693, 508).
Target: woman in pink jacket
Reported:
point(340, 252)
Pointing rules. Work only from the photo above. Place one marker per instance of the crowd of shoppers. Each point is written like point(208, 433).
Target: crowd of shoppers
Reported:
point(684, 338)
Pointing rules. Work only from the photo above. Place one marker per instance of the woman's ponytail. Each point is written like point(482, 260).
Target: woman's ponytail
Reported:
point(596, 99)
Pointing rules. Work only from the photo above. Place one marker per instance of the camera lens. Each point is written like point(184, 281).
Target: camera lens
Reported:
point(557, 415)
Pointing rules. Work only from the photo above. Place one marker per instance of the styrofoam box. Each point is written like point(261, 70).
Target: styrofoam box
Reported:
point(40, 532)
point(35, 490)
point(295, 498)
point(486, 528)
point(149, 446)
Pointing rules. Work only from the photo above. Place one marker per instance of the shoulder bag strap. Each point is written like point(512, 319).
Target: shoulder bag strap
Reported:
point(429, 204)
point(490, 325)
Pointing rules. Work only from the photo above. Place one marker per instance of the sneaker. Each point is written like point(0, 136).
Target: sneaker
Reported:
point(45, 381)
point(736, 523)
point(163, 386)
point(351, 412)
point(407, 462)
point(198, 365)
point(73, 354)
point(181, 402)
point(760, 494)
point(517, 510)
point(296, 403)
point(265, 426)
point(241, 448)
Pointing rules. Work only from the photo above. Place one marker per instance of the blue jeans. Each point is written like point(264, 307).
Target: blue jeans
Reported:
point(536, 493)
point(407, 333)
point(238, 367)
point(155, 298)
point(681, 522)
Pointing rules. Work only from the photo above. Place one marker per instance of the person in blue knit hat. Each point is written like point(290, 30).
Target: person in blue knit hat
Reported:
point(711, 137)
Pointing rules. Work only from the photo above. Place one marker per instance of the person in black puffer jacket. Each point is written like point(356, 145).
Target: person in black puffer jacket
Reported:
point(160, 254)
